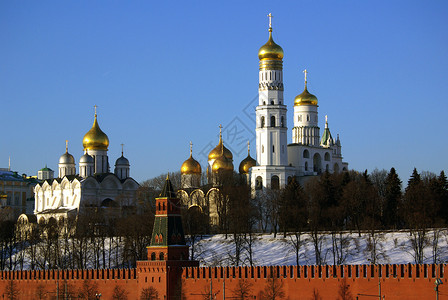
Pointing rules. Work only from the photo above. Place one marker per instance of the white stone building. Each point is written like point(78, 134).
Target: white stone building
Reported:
point(309, 154)
point(93, 187)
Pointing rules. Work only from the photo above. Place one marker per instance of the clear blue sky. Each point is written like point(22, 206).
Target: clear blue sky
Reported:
point(164, 73)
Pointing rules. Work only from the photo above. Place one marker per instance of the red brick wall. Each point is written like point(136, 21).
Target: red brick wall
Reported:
point(27, 282)
point(397, 281)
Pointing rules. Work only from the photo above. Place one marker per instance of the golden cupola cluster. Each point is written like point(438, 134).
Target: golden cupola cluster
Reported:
point(305, 98)
point(247, 163)
point(221, 156)
point(191, 166)
point(95, 138)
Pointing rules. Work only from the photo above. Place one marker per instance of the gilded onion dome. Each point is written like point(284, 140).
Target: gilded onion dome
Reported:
point(191, 166)
point(247, 163)
point(305, 98)
point(220, 149)
point(222, 163)
point(95, 138)
point(270, 50)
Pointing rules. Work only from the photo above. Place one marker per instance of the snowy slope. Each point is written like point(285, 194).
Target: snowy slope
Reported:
point(392, 247)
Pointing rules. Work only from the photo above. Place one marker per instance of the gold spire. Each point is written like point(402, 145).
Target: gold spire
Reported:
point(305, 72)
point(122, 149)
point(95, 138)
point(66, 146)
point(270, 50)
point(270, 22)
point(305, 98)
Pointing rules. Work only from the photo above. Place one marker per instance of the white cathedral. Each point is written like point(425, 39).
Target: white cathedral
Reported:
point(93, 187)
point(309, 154)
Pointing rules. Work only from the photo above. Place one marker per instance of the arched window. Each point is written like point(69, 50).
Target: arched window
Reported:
point(327, 156)
point(161, 256)
point(317, 167)
point(262, 122)
point(272, 121)
point(164, 208)
point(306, 166)
point(275, 182)
point(307, 117)
point(259, 183)
point(153, 256)
point(306, 154)
point(282, 122)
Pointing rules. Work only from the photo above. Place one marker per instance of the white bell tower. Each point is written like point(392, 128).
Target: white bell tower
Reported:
point(271, 131)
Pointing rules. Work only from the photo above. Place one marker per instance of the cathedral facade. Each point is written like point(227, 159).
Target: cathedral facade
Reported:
point(92, 186)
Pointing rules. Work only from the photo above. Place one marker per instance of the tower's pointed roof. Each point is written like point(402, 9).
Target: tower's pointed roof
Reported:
point(168, 191)
point(327, 140)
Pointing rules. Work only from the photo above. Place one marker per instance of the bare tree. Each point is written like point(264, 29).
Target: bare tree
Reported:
point(149, 294)
point(12, 291)
point(119, 293)
point(344, 291)
point(243, 290)
point(41, 292)
point(274, 288)
point(316, 295)
point(88, 290)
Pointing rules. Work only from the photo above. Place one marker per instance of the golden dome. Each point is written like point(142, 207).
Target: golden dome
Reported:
point(190, 166)
point(247, 163)
point(270, 50)
point(305, 98)
point(220, 149)
point(95, 138)
point(222, 164)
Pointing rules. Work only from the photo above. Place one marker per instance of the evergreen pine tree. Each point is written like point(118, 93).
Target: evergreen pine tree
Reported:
point(414, 180)
point(393, 196)
point(443, 197)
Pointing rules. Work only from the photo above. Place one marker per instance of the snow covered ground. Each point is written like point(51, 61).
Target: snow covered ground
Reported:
point(391, 247)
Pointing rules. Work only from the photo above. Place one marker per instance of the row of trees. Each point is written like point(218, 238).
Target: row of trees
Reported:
point(91, 240)
point(333, 203)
